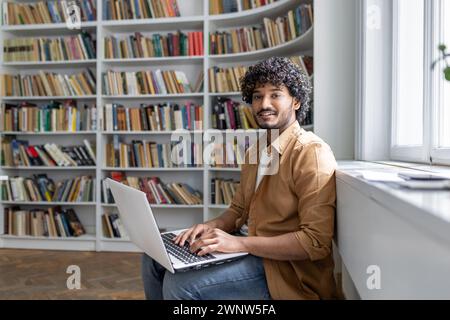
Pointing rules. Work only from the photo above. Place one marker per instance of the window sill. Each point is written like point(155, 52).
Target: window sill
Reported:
point(426, 209)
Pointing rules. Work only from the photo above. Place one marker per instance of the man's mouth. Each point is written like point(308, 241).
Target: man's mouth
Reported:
point(266, 114)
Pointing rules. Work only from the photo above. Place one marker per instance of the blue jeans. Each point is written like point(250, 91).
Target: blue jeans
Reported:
point(241, 279)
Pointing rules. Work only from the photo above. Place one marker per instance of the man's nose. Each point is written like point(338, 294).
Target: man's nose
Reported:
point(266, 102)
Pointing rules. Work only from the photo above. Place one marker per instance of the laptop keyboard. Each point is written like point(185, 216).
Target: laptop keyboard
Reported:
point(182, 253)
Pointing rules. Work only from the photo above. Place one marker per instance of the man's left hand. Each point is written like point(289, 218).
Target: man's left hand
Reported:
point(217, 240)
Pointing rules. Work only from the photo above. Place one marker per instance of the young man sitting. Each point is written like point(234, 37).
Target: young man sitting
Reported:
point(285, 219)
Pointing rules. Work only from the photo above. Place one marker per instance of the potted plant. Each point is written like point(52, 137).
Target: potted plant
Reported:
point(444, 56)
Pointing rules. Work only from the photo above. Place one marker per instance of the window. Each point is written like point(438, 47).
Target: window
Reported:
point(420, 129)
point(441, 117)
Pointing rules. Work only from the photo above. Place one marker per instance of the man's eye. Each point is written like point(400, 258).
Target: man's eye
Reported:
point(256, 97)
point(275, 96)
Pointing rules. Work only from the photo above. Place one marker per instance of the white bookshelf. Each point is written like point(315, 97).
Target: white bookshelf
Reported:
point(195, 17)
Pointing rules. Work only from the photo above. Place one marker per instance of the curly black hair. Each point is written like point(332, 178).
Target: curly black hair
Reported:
point(279, 71)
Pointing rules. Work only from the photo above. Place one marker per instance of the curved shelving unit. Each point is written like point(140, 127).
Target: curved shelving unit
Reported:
point(191, 65)
point(251, 16)
point(300, 44)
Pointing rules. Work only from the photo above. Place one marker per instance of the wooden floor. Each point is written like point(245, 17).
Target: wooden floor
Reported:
point(35, 274)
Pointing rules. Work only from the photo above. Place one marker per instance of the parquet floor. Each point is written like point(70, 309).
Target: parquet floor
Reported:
point(35, 274)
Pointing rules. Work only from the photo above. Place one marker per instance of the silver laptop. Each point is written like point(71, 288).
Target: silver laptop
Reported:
point(140, 225)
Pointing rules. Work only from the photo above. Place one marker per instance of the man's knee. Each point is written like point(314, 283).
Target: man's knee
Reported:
point(146, 263)
point(178, 287)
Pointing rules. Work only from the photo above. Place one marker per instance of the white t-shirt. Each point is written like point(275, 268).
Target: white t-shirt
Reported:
point(262, 168)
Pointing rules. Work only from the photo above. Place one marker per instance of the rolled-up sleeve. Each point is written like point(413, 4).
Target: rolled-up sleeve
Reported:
point(237, 206)
point(314, 179)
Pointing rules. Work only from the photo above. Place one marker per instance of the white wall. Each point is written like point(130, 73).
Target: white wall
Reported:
point(334, 76)
point(374, 80)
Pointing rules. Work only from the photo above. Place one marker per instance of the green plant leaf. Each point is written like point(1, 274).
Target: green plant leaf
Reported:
point(447, 73)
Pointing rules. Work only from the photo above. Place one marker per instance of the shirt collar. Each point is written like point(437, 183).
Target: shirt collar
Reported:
point(279, 144)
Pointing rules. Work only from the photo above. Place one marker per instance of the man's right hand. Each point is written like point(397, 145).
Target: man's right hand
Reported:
point(192, 233)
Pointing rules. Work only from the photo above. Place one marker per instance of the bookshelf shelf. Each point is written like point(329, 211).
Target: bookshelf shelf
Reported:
point(54, 133)
point(85, 237)
point(147, 132)
point(115, 239)
point(38, 168)
point(301, 44)
point(175, 216)
point(225, 169)
point(61, 27)
point(45, 203)
point(49, 64)
point(162, 206)
point(48, 98)
point(218, 206)
point(158, 24)
point(153, 169)
point(154, 96)
point(83, 243)
point(220, 94)
point(155, 61)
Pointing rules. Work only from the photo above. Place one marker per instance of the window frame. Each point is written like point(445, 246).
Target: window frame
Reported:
point(439, 155)
point(428, 152)
point(402, 152)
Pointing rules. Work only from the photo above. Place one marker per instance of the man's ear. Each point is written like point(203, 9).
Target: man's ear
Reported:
point(297, 104)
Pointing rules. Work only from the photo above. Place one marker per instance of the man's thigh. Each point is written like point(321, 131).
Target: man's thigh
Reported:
point(240, 279)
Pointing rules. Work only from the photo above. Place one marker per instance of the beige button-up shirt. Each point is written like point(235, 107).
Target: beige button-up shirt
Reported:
point(300, 198)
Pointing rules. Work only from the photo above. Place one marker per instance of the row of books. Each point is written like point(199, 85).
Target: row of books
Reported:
point(139, 9)
point(53, 117)
point(306, 63)
point(160, 117)
point(229, 114)
point(271, 33)
point(253, 4)
point(79, 47)
point(229, 6)
point(289, 27)
point(47, 11)
point(145, 82)
point(223, 6)
point(227, 155)
point(223, 190)
point(21, 153)
point(139, 46)
point(156, 191)
point(148, 154)
point(112, 226)
point(48, 84)
point(225, 79)
point(54, 222)
point(41, 188)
